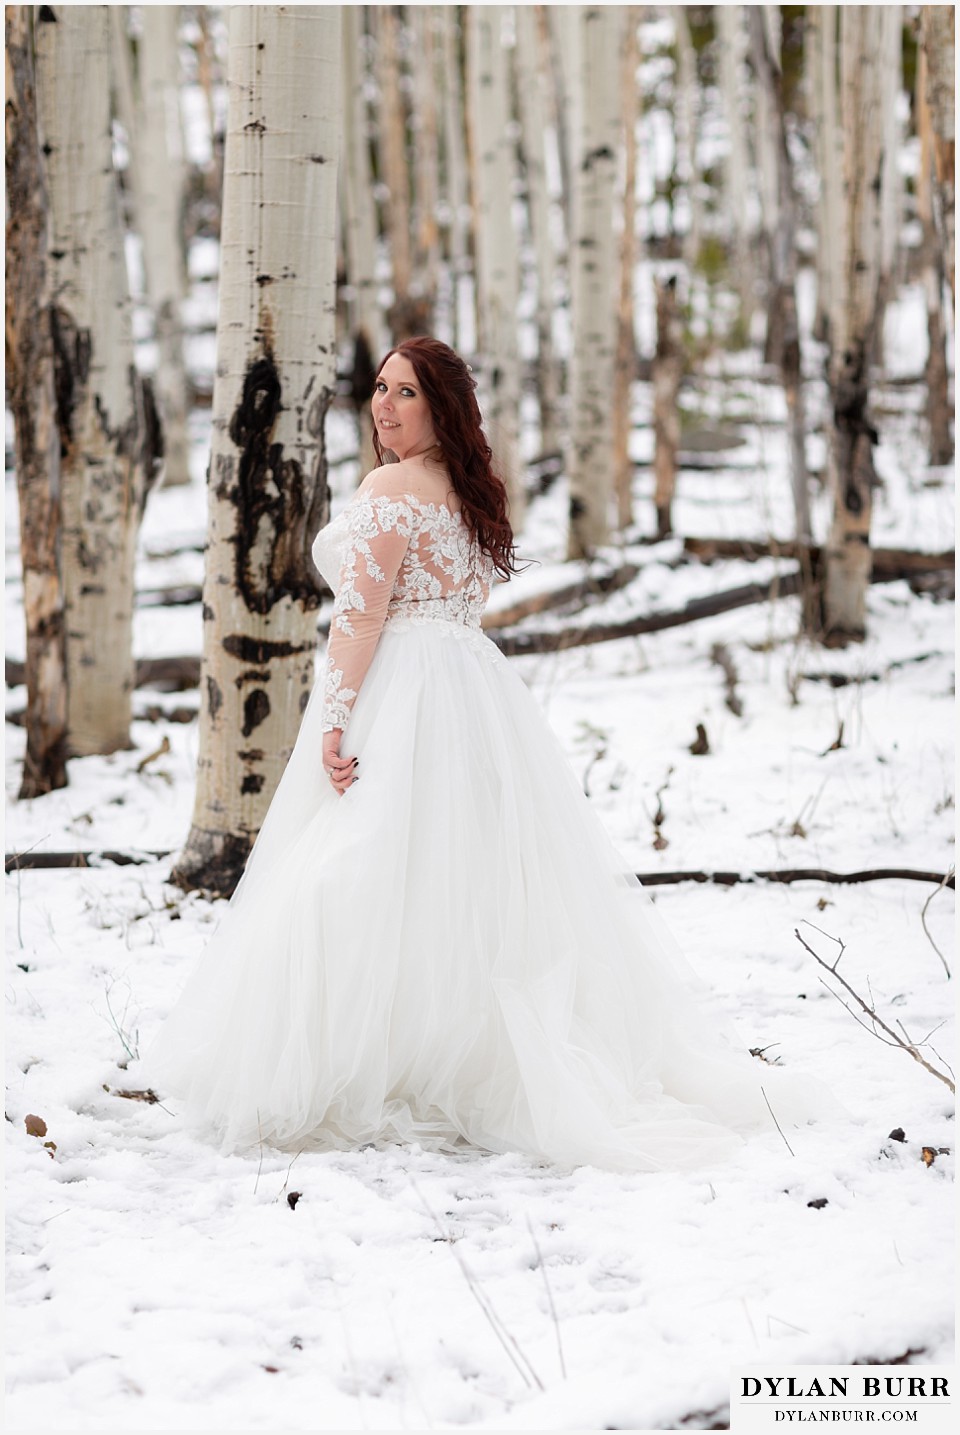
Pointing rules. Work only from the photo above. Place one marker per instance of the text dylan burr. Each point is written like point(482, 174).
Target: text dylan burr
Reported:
point(889, 1387)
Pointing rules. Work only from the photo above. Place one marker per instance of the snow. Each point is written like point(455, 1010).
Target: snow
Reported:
point(155, 1284)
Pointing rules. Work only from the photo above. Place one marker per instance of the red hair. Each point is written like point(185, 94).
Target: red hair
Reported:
point(450, 390)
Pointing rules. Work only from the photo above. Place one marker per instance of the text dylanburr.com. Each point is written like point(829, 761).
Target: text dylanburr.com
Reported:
point(799, 1397)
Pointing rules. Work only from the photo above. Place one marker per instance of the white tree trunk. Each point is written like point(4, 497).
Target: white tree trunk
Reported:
point(275, 375)
point(393, 163)
point(150, 109)
point(32, 398)
point(593, 264)
point(688, 92)
point(783, 330)
point(890, 62)
point(829, 160)
point(498, 277)
point(426, 147)
point(765, 127)
point(105, 466)
point(626, 356)
point(940, 438)
point(730, 37)
point(370, 338)
point(531, 92)
point(847, 555)
point(939, 43)
point(455, 189)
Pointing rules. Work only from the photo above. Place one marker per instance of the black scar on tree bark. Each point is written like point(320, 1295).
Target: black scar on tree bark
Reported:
point(272, 495)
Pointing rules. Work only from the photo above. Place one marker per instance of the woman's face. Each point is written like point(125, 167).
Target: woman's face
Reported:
point(400, 411)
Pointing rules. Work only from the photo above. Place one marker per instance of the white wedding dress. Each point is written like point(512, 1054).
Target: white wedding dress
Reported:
point(450, 953)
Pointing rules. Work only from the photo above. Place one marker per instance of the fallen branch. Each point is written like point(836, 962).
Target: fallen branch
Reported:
point(31, 859)
point(887, 563)
point(559, 639)
point(889, 1037)
point(842, 680)
point(27, 861)
point(797, 874)
point(171, 675)
point(595, 585)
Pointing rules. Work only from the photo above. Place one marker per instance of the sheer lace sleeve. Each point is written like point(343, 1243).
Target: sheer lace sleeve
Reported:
point(377, 537)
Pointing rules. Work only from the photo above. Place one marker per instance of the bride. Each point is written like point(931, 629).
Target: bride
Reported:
point(434, 941)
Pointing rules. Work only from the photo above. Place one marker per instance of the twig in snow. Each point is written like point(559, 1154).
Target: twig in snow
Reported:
point(890, 1037)
point(777, 1123)
point(286, 1179)
point(517, 1356)
point(923, 920)
point(260, 1162)
point(133, 1052)
point(553, 1309)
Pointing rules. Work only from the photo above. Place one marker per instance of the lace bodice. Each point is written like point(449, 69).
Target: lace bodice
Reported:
point(390, 557)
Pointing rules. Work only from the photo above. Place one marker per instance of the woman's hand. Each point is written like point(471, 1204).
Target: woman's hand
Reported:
point(342, 771)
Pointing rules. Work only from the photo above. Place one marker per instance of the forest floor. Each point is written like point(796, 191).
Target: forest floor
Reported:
point(155, 1284)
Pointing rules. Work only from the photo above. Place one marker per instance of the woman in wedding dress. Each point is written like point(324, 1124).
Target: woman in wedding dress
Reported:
point(434, 940)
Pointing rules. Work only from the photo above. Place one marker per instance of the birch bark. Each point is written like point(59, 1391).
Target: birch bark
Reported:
point(394, 167)
point(150, 107)
point(107, 429)
point(940, 438)
point(687, 91)
point(730, 38)
point(593, 256)
point(498, 277)
point(32, 399)
point(370, 340)
point(268, 492)
point(939, 43)
point(823, 58)
point(847, 557)
point(625, 362)
point(425, 142)
point(531, 92)
point(783, 330)
point(454, 165)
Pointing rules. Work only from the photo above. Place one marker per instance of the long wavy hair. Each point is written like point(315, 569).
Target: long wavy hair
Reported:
point(450, 391)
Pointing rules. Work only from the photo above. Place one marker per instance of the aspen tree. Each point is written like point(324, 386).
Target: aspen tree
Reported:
point(32, 399)
point(592, 264)
point(938, 31)
point(267, 489)
point(626, 356)
point(847, 557)
point(150, 109)
point(395, 171)
point(456, 196)
point(107, 426)
point(370, 340)
point(531, 93)
point(498, 278)
point(425, 141)
point(736, 173)
point(783, 330)
point(940, 438)
point(822, 61)
point(687, 93)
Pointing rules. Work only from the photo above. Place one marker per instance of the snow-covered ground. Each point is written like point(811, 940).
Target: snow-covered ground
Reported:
point(155, 1284)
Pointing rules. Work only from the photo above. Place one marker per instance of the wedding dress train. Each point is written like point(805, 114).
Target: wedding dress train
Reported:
point(451, 952)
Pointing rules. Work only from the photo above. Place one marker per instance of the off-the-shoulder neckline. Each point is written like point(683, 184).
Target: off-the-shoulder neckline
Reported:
point(399, 497)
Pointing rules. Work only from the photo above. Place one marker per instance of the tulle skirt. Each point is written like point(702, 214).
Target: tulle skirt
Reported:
point(452, 952)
